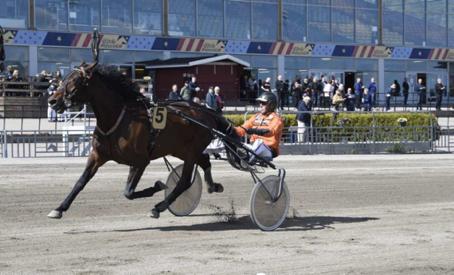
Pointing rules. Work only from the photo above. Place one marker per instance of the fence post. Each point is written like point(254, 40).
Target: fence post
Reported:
point(5, 146)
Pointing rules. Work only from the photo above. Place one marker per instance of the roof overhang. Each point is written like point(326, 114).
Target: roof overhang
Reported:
point(204, 61)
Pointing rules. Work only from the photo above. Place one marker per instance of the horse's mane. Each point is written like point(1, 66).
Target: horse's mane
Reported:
point(118, 82)
point(222, 123)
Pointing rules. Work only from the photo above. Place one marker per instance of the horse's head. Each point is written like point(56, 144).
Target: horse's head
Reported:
point(73, 89)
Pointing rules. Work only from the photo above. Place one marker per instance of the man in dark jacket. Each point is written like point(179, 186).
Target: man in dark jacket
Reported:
point(174, 95)
point(405, 91)
point(439, 91)
point(420, 89)
point(279, 85)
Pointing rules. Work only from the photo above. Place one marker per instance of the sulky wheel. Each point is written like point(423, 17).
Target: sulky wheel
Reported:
point(189, 199)
point(265, 213)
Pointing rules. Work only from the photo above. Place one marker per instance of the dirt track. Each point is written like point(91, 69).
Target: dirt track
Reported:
point(349, 214)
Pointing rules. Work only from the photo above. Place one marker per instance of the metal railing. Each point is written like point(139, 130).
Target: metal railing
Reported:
point(335, 138)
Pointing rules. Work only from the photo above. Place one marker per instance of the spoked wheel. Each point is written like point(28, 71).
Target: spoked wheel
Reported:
point(265, 213)
point(189, 199)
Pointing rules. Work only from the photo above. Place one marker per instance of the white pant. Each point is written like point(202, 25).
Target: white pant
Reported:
point(260, 149)
point(301, 132)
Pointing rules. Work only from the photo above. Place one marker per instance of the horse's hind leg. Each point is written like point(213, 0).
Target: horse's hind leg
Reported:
point(204, 162)
point(135, 173)
point(93, 163)
point(182, 185)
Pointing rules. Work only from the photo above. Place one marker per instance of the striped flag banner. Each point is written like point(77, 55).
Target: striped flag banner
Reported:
point(82, 40)
point(282, 48)
point(190, 45)
point(438, 54)
point(363, 51)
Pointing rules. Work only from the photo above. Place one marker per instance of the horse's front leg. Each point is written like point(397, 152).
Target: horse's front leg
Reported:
point(135, 173)
point(204, 162)
point(93, 163)
point(182, 185)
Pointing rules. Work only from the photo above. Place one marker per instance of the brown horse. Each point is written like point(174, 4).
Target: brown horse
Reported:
point(123, 132)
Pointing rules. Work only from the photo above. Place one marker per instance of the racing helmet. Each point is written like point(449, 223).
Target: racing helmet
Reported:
point(269, 99)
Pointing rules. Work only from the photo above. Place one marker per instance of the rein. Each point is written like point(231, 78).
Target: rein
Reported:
point(115, 126)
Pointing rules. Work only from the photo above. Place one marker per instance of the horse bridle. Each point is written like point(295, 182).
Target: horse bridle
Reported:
point(84, 82)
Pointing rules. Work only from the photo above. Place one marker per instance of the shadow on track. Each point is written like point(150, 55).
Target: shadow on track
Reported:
point(245, 223)
point(242, 223)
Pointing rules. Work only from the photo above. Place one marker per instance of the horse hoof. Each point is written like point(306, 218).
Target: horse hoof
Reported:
point(159, 185)
point(154, 213)
point(215, 188)
point(55, 214)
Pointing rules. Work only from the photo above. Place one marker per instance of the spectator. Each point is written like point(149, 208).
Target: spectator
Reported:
point(173, 95)
point(315, 91)
point(439, 91)
point(194, 87)
point(15, 77)
point(327, 94)
point(285, 94)
point(338, 100)
point(9, 72)
point(397, 91)
point(420, 89)
point(266, 86)
point(210, 99)
point(391, 91)
point(219, 100)
point(405, 91)
point(279, 85)
point(367, 100)
point(350, 101)
point(304, 119)
point(297, 92)
point(51, 113)
point(372, 91)
point(185, 92)
point(358, 88)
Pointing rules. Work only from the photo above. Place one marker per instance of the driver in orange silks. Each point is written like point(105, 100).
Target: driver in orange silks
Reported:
point(265, 128)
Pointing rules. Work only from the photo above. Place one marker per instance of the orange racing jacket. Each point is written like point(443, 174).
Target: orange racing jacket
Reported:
point(272, 121)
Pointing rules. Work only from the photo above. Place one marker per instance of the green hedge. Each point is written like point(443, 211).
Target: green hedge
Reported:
point(365, 126)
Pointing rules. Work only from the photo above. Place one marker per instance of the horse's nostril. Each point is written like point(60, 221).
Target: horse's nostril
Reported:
point(52, 101)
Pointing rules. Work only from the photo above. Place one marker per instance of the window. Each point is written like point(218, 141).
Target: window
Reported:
point(393, 22)
point(14, 13)
point(210, 18)
point(147, 16)
point(17, 57)
point(451, 24)
point(84, 15)
point(116, 16)
point(343, 20)
point(436, 23)
point(319, 21)
point(264, 21)
point(415, 26)
point(182, 17)
point(238, 19)
point(366, 22)
point(53, 59)
point(51, 14)
point(294, 17)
